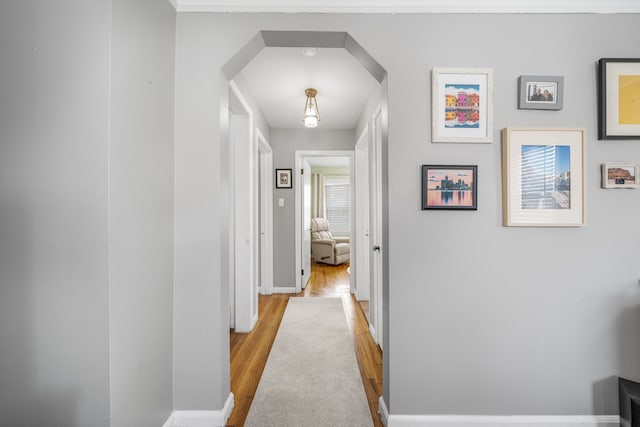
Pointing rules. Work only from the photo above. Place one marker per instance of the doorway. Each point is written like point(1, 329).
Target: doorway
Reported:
point(250, 245)
point(378, 215)
point(304, 160)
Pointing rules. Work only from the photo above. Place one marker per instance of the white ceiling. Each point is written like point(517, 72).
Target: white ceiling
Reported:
point(278, 76)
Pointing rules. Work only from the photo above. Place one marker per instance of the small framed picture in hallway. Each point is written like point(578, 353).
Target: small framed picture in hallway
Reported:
point(283, 178)
point(449, 187)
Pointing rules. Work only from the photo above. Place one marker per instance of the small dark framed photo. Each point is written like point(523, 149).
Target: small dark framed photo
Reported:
point(540, 92)
point(283, 178)
point(450, 187)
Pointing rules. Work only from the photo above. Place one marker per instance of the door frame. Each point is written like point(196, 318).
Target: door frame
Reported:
point(362, 222)
point(299, 188)
point(376, 225)
point(265, 220)
point(243, 156)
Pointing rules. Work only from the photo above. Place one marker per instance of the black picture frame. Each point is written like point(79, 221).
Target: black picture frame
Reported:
point(540, 92)
point(629, 402)
point(284, 178)
point(612, 122)
point(447, 187)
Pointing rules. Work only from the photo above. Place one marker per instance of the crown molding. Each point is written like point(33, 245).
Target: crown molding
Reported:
point(409, 6)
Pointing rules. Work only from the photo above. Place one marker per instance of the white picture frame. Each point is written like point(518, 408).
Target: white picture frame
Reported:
point(620, 175)
point(462, 105)
point(543, 177)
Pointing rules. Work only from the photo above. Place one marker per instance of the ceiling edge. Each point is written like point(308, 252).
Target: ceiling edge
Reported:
point(410, 6)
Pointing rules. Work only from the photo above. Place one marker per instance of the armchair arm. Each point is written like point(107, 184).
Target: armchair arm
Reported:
point(324, 242)
point(341, 239)
point(323, 249)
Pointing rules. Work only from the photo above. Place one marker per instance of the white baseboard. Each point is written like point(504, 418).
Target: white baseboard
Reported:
point(392, 420)
point(382, 410)
point(284, 290)
point(171, 422)
point(201, 418)
point(372, 331)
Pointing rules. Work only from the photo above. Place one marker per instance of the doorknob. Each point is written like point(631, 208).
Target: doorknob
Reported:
point(376, 248)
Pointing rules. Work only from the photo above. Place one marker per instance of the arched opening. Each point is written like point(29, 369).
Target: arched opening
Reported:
point(376, 158)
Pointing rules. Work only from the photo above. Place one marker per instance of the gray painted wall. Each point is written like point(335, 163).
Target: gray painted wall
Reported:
point(285, 142)
point(86, 218)
point(534, 321)
point(201, 304)
point(54, 135)
point(141, 212)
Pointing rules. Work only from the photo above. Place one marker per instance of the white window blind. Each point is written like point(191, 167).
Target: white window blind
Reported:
point(337, 204)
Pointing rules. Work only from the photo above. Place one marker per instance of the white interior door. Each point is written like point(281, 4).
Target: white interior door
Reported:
point(244, 153)
point(266, 214)
point(306, 223)
point(231, 250)
point(361, 240)
point(376, 227)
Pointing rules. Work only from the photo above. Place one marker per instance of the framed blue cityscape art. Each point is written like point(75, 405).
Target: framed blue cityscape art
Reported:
point(462, 105)
point(448, 187)
point(543, 176)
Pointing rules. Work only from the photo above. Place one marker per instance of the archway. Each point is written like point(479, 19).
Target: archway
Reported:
point(379, 214)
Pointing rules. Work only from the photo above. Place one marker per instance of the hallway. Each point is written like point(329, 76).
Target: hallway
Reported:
point(249, 352)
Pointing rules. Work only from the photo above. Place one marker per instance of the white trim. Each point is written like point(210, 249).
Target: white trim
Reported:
point(372, 331)
point(409, 6)
point(492, 420)
point(503, 420)
point(202, 418)
point(284, 289)
point(383, 411)
point(170, 421)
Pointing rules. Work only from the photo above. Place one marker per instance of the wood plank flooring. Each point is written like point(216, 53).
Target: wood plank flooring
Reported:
point(249, 352)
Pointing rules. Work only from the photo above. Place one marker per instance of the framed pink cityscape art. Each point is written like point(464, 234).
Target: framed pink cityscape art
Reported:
point(462, 105)
point(450, 187)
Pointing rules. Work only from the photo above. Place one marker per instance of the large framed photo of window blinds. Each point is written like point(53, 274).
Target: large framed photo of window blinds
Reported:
point(543, 177)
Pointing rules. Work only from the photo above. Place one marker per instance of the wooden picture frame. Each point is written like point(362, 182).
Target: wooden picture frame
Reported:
point(284, 178)
point(543, 177)
point(620, 175)
point(619, 98)
point(462, 105)
point(540, 92)
point(450, 187)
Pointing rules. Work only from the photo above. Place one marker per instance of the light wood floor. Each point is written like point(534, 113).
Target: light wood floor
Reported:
point(249, 352)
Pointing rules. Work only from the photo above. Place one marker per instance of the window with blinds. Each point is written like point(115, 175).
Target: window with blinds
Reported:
point(337, 204)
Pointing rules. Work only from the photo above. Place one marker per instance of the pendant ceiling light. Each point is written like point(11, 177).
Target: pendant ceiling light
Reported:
point(311, 113)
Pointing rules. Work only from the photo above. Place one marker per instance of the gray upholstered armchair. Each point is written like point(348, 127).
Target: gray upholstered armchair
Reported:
point(326, 248)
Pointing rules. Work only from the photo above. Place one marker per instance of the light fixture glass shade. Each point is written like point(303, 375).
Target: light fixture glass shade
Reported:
point(311, 121)
point(311, 114)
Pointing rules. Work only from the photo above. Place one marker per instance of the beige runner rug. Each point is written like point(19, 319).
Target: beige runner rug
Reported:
point(311, 377)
